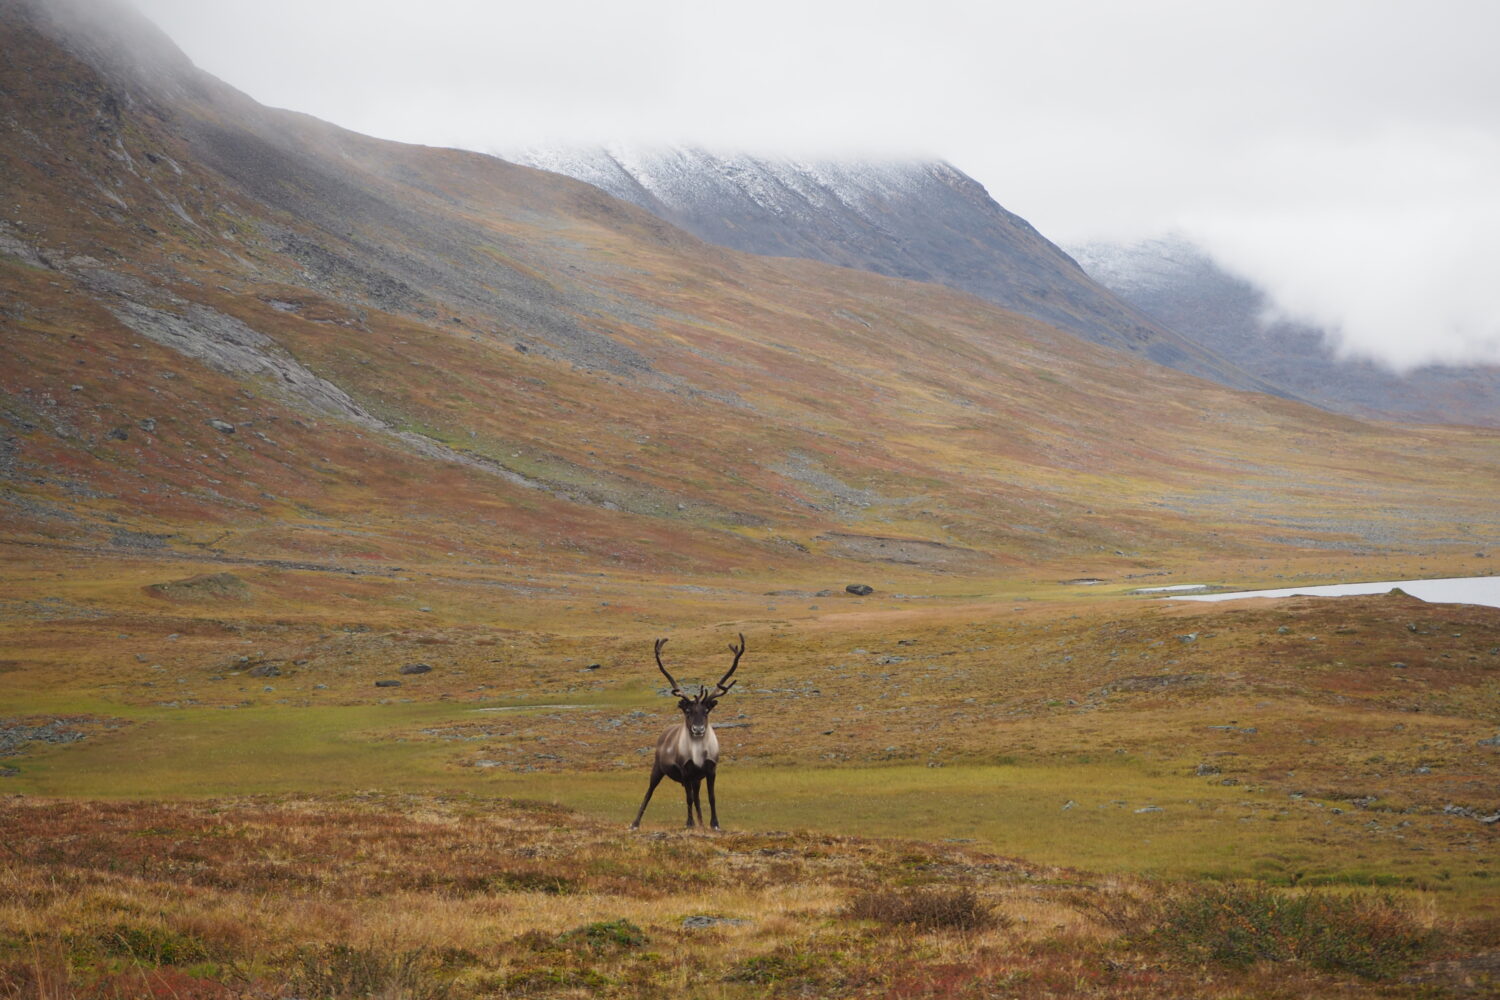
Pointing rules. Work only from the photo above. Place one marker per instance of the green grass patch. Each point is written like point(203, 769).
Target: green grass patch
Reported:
point(1111, 813)
point(606, 937)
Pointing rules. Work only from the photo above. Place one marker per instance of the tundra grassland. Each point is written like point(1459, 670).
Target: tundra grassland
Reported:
point(346, 485)
point(1028, 787)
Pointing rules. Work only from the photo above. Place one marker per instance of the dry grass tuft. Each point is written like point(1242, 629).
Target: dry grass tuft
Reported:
point(924, 909)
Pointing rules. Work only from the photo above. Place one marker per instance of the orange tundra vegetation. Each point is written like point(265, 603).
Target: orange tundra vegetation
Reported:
point(346, 484)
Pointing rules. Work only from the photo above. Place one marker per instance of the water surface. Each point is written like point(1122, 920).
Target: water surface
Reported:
point(1455, 590)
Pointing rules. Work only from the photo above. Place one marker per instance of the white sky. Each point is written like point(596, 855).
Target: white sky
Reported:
point(1343, 153)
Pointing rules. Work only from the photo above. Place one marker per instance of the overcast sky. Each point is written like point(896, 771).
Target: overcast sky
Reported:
point(1343, 153)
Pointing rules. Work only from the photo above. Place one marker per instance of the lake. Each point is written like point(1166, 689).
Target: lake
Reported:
point(1456, 590)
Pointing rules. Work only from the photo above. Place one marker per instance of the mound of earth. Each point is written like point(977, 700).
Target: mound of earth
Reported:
point(205, 587)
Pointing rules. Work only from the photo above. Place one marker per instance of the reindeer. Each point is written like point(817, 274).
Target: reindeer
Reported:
point(688, 752)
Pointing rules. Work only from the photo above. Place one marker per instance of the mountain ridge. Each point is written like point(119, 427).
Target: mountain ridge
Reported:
point(923, 220)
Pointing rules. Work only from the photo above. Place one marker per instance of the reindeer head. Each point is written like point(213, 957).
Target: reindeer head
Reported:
point(695, 707)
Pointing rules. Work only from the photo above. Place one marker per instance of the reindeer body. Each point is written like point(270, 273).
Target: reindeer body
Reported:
point(677, 745)
point(688, 751)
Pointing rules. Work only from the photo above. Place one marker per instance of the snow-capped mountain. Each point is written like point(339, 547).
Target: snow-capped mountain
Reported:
point(918, 219)
point(1177, 282)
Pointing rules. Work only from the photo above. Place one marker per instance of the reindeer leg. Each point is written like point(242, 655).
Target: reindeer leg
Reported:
point(688, 788)
point(713, 807)
point(697, 800)
point(656, 777)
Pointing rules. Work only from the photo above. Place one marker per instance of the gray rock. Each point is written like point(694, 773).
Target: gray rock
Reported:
point(860, 589)
point(265, 670)
point(223, 427)
point(416, 668)
point(387, 684)
point(699, 921)
point(15, 735)
point(1471, 813)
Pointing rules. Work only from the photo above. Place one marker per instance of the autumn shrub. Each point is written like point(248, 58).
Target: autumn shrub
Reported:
point(1238, 924)
point(925, 909)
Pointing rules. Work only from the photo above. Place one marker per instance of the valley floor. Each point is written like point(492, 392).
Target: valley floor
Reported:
point(1029, 787)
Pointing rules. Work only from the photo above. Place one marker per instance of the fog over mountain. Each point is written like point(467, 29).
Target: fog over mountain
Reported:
point(1177, 282)
point(1341, 155)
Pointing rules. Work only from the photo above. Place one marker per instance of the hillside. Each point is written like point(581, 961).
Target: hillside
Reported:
point(1180, 285)
point(915, 219)
point(243, 332)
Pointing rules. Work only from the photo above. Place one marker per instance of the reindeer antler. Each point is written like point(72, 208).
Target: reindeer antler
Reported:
point(675, 689)
point(738, 652)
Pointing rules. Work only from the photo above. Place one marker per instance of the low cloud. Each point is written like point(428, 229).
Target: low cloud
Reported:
point(1388, 246)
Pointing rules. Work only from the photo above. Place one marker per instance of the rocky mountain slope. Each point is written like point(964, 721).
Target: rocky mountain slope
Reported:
point(922, 220)
point(1177, 282)
point(249, 335)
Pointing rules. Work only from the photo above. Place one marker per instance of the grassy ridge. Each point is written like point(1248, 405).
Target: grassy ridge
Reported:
point(458, 897)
